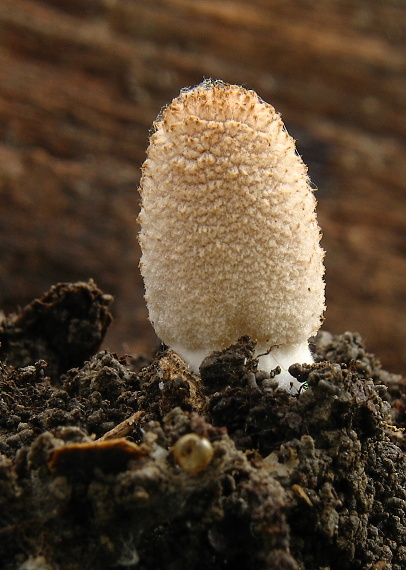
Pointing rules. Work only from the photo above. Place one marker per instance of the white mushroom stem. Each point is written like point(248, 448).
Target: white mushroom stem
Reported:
point(281, 356)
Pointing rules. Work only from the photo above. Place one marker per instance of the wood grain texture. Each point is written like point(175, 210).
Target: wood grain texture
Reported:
point(81, 83)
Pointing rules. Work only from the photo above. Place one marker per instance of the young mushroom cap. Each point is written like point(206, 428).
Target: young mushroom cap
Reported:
point(229, 236)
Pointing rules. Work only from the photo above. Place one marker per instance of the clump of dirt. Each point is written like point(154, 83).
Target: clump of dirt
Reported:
point(93, 471)
point(64, 327)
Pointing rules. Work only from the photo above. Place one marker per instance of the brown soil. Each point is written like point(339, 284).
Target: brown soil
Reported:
point(90, 476)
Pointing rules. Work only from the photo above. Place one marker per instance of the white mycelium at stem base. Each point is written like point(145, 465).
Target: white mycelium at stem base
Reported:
point(229, 236)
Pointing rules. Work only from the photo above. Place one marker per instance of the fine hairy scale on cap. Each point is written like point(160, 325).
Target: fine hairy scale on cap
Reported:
point(229, 235)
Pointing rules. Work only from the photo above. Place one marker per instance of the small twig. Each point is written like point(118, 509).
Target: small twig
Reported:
point(123, 428)
point(394, 428)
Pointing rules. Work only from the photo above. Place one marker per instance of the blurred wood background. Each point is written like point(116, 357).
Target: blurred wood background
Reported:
point(82, 80)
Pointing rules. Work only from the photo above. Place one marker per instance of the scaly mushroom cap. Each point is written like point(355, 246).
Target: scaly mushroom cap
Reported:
point(229, 236)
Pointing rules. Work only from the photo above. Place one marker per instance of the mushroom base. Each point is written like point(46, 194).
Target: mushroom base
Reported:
point(282, 356)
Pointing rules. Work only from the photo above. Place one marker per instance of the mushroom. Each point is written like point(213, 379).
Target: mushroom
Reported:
point(229, 236)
